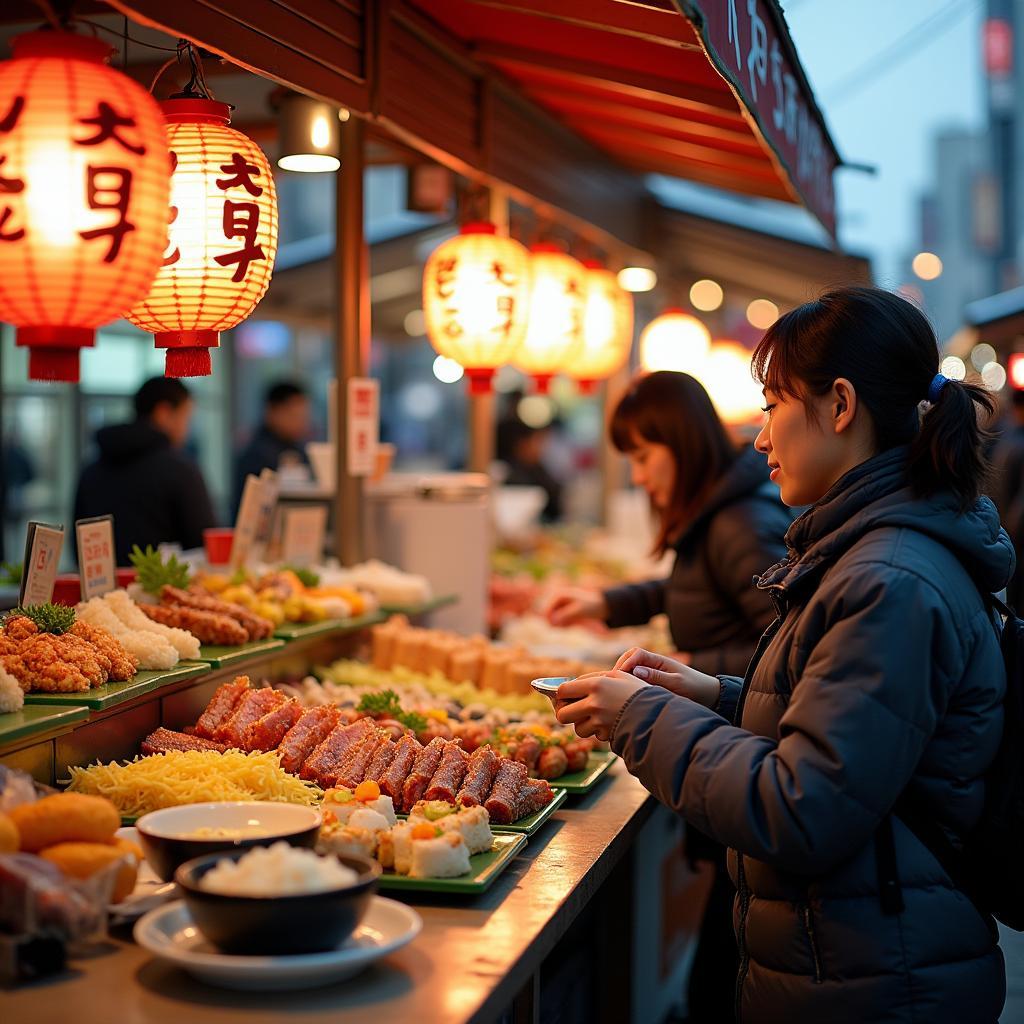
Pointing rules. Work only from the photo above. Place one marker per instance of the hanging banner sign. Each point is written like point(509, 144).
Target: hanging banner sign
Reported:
point(747, 41)
point(302, 541)
point(43, 546)
point(363, 425)
point(96, 567)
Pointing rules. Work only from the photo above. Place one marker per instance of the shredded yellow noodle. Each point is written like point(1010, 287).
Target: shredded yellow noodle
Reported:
point(192, 776)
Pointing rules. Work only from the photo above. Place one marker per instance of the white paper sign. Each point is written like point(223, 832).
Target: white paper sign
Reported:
point(302, 542)
point(255, 518)
point(42, 557)
point(96, 567)
point(247, 521)
point(363, 425)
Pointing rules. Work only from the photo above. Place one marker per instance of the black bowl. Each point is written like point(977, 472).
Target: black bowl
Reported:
point(166, 835)
point(277, 925)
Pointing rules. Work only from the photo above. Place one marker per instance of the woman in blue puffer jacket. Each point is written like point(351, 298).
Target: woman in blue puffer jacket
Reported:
point(881, 681)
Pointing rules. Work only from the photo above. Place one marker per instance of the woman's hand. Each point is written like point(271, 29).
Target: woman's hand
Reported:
point(673, 675)
point(592, 702)
point(568, 607)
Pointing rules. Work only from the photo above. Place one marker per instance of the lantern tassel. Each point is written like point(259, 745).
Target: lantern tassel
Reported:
point(54, 364)
point(188, 362)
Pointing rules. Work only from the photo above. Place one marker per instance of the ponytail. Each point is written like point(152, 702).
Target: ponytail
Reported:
point(948, 452)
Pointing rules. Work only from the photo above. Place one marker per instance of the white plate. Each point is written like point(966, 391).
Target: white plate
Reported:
point(168, 933)
point(149, 891)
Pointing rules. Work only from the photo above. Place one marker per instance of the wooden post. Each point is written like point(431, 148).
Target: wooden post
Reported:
point(352, 331)
point(481, 407)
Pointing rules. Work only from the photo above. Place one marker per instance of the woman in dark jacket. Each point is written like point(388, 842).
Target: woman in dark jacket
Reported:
point(719, 513)
point(723, 518)
point(877, 691)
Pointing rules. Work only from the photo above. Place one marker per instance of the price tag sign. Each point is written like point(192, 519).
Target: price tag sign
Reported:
point(302, 542)
point(43, 546)
point(363, 425)
point(96, 555)
point(255, 518)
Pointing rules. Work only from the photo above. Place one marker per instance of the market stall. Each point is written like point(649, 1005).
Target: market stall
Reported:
point(546, 909)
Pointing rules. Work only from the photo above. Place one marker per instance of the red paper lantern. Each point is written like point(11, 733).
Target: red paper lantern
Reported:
point(476, 291)
point(223, 236)
point(607, 328)
point(83, 196)
point(555, 335)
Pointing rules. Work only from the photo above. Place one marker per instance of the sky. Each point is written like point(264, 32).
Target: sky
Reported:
point(885, 103)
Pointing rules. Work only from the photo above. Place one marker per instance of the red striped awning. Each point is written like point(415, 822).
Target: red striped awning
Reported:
point(709, 90)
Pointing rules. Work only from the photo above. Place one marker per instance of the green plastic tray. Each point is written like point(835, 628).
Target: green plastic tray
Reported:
point(112, 694)
point(583, 782)
point(424, 608)
point(219, 656)
point(33, 719)
point(484, 869)
point(298, 630)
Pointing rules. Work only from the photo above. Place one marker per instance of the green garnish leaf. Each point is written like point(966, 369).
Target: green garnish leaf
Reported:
point(49, 617)
point(307, 577)
point(156, 572)
point(386, 704)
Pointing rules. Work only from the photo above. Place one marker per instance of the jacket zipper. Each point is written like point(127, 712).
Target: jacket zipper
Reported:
point(812, 939)
point(741, 875)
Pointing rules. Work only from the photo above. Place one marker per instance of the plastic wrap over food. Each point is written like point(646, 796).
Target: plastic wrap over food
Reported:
point(37, 898)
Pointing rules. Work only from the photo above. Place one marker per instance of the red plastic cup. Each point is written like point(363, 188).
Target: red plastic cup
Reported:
point(218, 542)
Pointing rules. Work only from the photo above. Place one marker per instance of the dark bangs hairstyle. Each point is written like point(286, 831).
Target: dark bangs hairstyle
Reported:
point(886, 348)
point(673, 409)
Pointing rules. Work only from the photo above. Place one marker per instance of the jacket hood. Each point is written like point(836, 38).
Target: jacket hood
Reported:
point(876, 494)
point(126, 442)
point(746, 476)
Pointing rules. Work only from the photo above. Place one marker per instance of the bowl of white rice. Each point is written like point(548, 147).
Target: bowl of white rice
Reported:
point(277, 900)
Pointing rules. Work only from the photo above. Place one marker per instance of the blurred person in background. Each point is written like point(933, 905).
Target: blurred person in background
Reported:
point(154, 491)
point(524, 456)
point(723, 518)
point(280, 439)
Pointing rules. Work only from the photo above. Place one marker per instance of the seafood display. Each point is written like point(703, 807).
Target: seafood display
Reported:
point(354, 750)
point(46, 650)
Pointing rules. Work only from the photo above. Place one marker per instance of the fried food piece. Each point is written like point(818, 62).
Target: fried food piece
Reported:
point(504, 801)
point(83, 860)
point(267, 732)
point(122, 665)
point(480, 772)
point(326, 760)
point(422, 772)
point(65, 817)
point(306, 735)
point(222, 706)
point(535, 794)
point(19, 627)
point(161, 741)
point(250, 709)
point(209, 627)
point(447, 780)
point(56, 664)
point(393, 781)
point(257, 627)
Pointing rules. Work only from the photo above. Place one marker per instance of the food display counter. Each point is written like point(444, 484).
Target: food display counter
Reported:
point(482, 960)
point(557, 926)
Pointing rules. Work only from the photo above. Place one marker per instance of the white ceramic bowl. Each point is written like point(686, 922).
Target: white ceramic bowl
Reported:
point(169, 836)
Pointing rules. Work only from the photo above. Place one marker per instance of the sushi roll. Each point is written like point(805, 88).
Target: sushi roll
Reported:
point(400, 843)
point(431, 810)
point(369, 819)
point(345, 802)
point(474, 825)
point(437, 854)
point(345, 840)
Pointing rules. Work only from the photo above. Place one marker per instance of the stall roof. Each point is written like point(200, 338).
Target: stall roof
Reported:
point(997, 317)
point(712, 91)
